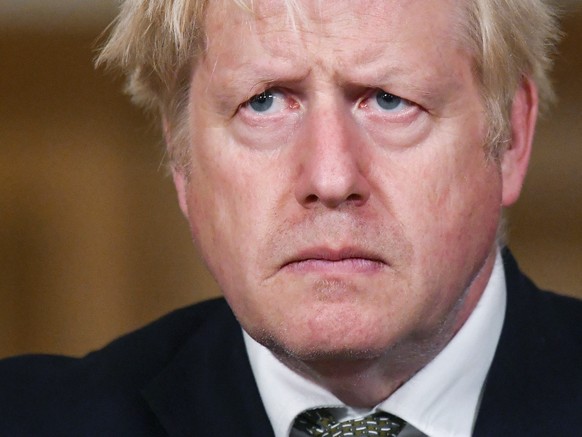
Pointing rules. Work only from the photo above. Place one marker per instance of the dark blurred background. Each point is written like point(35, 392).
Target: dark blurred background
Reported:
point(92, 243)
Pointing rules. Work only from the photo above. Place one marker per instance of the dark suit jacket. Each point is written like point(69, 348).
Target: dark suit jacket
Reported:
point(188, 375)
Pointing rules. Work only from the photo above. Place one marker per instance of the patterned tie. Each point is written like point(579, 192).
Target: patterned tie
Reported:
point(321, 423)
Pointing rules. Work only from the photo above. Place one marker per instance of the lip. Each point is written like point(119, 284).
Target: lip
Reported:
point(325, 260)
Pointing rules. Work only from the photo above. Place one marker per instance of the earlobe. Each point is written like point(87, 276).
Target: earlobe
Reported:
point(515, 160)
point(181, 184)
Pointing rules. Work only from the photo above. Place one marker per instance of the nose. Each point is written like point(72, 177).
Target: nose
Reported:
point(333, 166)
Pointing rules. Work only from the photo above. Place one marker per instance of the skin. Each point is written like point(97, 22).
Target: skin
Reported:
point(351, 240)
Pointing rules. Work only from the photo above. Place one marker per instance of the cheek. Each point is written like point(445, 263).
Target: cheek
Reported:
point(220, 204)
point(452, 201)
point(465, 215)
point(228, 206)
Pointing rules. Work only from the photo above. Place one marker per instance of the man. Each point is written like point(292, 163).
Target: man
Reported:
point(343, 167)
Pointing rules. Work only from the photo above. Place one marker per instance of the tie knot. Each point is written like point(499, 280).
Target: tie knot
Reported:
point(321, 423)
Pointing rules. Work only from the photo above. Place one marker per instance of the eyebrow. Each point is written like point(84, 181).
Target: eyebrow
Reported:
point(247, 78)
point(430, 86)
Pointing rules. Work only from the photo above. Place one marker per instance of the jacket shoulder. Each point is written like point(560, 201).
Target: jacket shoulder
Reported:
point(536, 369)
point(101, 391)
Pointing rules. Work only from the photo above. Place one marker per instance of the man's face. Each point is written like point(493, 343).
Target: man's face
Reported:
point(339, 189)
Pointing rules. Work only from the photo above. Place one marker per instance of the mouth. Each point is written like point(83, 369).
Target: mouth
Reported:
point(343, 261)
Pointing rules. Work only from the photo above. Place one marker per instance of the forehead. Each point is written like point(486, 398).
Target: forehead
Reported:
point(349, 31)
point(332, 16)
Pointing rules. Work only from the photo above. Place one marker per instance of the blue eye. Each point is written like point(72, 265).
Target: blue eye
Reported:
point(262, 102)
point(388, 101)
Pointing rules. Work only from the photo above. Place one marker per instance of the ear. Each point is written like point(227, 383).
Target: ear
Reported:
point(181, 184)
point(180, 179)
point(515, 159)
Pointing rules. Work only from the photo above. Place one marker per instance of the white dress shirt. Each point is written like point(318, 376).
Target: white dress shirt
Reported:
point(441, 400)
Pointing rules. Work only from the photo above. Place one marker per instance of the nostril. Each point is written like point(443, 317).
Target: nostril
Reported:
point(312, 198)
point(334, 201)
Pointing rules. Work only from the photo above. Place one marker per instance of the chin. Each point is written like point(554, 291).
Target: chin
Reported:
point(308, 352)
point(324, 319)
point(316, 341)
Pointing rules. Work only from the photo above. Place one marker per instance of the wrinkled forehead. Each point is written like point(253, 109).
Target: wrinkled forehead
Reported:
point(336, 18)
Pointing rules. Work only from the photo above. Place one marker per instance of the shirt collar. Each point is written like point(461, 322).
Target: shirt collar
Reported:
point(440, 400)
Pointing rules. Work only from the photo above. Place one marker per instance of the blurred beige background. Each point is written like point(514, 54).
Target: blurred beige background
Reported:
point(92, 243)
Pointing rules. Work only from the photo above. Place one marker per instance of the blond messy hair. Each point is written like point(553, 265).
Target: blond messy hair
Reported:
point(510, 40)
point(156, 43)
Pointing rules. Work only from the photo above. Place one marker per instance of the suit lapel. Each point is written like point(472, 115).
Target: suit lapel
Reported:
point(499, 404)
point(208, 389)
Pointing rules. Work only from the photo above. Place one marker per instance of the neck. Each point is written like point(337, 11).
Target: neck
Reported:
point(365, 382)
